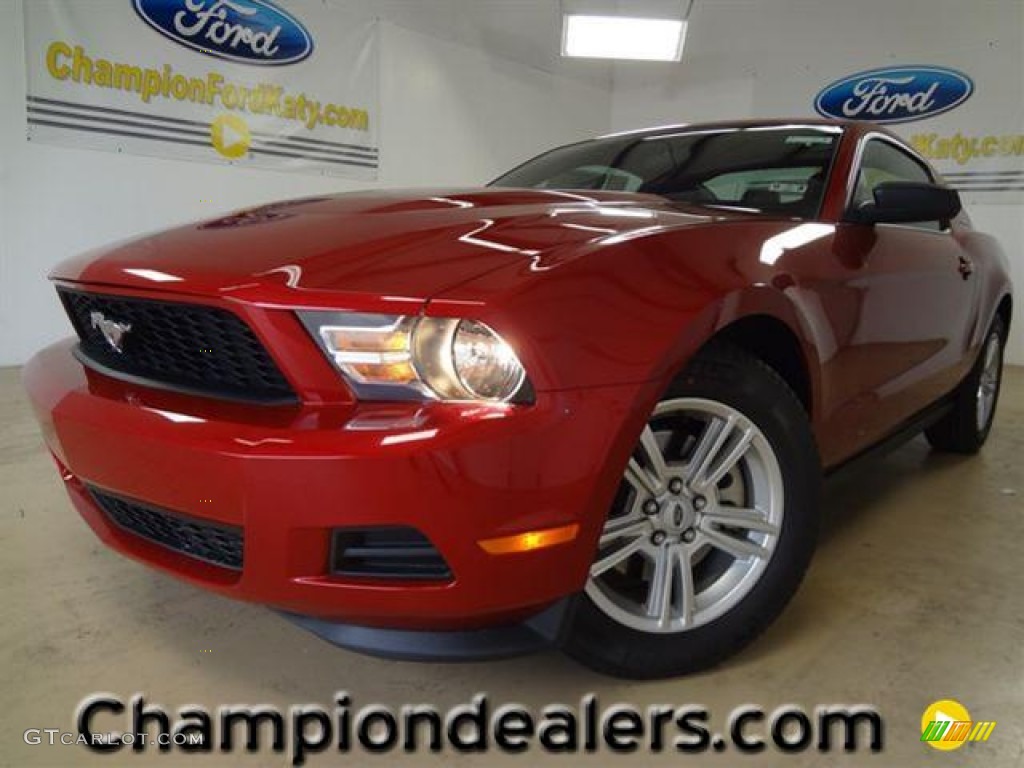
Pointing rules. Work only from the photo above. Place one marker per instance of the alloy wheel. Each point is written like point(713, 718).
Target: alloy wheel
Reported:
point(695, 521)
point(988, 383)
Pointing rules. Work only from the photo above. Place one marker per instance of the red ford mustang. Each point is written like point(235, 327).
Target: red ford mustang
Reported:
point(589, 405)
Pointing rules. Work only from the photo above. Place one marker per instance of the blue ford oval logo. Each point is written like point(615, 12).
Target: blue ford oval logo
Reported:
point(247, 31)
point(895, 94)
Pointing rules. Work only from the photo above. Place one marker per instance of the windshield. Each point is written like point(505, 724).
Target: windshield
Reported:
point(775, 170)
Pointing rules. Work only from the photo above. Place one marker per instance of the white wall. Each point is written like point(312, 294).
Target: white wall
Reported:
point(455, 113)
point(450, 115)
point(747, 58)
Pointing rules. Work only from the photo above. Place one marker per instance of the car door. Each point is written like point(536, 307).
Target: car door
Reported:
point(908, 297)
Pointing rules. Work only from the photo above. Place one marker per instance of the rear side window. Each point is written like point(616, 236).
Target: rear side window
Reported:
point(884, 161)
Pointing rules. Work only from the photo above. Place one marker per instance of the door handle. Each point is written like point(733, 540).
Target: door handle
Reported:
point(965, 266)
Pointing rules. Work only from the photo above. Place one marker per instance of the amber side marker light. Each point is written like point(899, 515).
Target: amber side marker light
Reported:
point(531, 540)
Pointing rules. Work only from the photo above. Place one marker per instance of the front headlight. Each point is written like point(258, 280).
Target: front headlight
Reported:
point(400, 357)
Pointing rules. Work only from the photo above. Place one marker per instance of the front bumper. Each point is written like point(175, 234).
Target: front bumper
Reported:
point(545, 629)
point(289, 475)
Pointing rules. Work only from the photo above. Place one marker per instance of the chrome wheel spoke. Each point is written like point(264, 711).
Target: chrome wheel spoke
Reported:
point(991, 355)
point(647, 468)
point(989, 380)
point(671, 593)
point(659, 595)
point(714, 435)
point(641, 479)
point(653, 451)
point(739, 548)
point(618, 555)
point(626, 527)
point(739, 517)
point(687, 595)
point(727, 462)
point(730, 443)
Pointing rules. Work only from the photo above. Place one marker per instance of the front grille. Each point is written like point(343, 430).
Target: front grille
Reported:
point(211, 542)
point(190, 347)
point(386, 553)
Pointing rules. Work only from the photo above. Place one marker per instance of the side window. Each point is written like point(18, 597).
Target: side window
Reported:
point(884, 161)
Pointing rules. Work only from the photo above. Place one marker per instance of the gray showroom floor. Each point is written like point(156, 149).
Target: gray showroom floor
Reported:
point(917, 594)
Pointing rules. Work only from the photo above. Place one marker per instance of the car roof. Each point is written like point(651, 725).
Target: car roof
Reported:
point(851, 125)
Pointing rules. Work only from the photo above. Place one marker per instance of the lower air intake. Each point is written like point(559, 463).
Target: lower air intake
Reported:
point(386, 553)
point(211, 542)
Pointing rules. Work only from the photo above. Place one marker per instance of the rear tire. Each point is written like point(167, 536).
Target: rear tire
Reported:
point(966, 427)
point(712, 528)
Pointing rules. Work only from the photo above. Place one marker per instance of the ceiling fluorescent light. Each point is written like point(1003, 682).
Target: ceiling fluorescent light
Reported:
point(618, 37)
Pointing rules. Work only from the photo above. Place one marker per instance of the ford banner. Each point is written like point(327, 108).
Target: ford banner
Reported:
point(255, 32)
point(969, 132)
point(242, 82)
point(894, 94)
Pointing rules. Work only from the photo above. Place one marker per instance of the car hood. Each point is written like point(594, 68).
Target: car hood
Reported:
point(399, 245)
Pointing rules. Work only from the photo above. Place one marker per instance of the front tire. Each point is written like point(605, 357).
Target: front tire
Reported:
point(965, 429)
point(712, 528)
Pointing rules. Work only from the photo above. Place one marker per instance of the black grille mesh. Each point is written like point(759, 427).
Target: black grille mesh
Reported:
point(187, 346)
point(211, 542)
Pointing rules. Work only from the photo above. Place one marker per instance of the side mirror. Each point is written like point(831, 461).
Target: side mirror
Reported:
point(905, 202)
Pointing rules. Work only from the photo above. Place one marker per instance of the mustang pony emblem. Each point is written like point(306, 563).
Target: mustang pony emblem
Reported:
point(112, 330)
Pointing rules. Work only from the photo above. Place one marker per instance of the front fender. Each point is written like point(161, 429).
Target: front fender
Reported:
point(637, 310)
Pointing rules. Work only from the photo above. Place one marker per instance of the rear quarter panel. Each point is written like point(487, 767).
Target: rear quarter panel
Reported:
point(992, 270)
